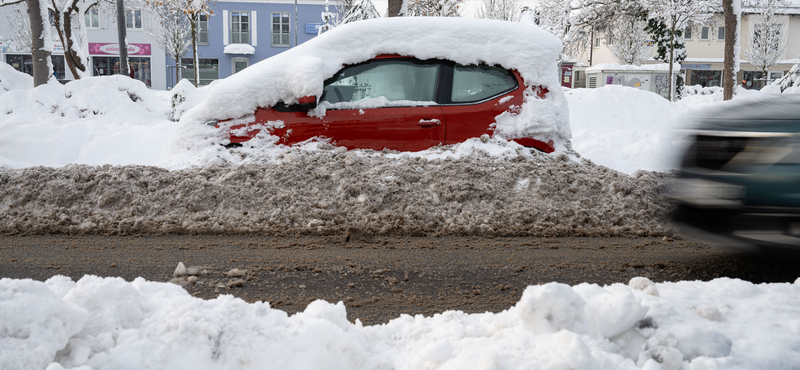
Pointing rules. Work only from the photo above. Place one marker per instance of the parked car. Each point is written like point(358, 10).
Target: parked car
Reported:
point(739, 184)
point(401, 103)
point(459, 79)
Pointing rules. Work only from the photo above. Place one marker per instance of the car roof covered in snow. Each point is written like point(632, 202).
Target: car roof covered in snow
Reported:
point(302, 70)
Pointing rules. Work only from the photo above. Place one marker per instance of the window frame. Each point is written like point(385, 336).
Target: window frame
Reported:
point(90, 13)
point(597, 42)
point(240, 33)
point(200, 31)
point(239, 59)
point(133, 19)
point(707, 31)
point(687, 31)
point(721, 31)
point(281, 33)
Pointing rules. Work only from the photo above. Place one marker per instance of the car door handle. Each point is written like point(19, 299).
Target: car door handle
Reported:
point(429, 122)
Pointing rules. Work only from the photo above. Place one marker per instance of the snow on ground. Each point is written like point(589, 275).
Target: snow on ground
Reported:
point(108, 323)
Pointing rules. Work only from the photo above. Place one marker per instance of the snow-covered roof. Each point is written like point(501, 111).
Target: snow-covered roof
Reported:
point(301, 71)
point(239, 49)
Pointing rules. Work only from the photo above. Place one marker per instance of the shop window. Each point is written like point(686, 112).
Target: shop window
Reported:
point(209, 70)
point(240, 27)
point(706, 78)
point(754, 80)
point(202, 29)
point(133, 19)
point(238, 64)
point(721, 33)
point(280, 29)
point(24, 64)
point(141, 69)
point(775, 76)
point(704, 33)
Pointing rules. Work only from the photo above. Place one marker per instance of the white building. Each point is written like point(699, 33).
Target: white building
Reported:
point(705, 45)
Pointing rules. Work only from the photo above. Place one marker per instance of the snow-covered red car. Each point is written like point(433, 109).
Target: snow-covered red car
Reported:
point(401, 83)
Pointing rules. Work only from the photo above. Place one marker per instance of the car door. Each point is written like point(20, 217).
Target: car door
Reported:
point(473, 96)
point(384, 103)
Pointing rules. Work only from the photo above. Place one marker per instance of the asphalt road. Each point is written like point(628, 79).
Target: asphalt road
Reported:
point(383, 277)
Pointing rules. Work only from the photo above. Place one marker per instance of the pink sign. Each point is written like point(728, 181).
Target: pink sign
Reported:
point(113, 49)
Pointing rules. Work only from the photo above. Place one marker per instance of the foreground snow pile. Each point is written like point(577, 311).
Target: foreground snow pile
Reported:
point(113, 119)
point(11, 79)
point(100, 323)
point(321, 189)
point(301, 71)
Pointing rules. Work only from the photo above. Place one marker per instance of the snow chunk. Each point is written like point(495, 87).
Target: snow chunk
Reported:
point(246, 49)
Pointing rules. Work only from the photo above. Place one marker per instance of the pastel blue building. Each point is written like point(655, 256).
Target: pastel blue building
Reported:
point(240, 33)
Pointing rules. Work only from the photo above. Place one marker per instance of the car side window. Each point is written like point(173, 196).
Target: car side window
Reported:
point(397, 80)
point(474, 83)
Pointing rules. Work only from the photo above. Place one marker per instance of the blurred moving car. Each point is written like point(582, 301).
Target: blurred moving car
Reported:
point(739, 183)
point(400, 83)
point(402, 103)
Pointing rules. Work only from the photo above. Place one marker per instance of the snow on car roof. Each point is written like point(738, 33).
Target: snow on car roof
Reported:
point(301, 71)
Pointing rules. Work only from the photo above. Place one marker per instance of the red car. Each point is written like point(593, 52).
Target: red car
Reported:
point(401, 103)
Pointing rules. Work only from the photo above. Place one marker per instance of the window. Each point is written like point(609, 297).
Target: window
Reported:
point(704, 33)
point(474, 83)
point(133, 19)
point(209, 70)
point(775, 76)
point(721, 33)
point(597, 42)
point(240, 27)
point(202, 29)
point(393, 79)
point(687, 33)
point(24, 64)
point(238, 64)
point(280, 29)
point(92, 18)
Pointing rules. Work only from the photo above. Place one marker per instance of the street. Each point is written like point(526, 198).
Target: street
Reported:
point(382, 277)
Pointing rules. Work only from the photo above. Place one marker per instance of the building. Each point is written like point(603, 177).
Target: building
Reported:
point(235, 35)
point(705, 45)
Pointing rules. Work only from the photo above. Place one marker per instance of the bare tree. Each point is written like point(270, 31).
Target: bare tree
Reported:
point(434, 8)
point(172, 30)
point(69, 16)
point(677, 15)
point(627, 40)
point(192, 9)
point(40, 50)
point(360, 10)
point(506, 10)
point(18, 16)
point(767, 41)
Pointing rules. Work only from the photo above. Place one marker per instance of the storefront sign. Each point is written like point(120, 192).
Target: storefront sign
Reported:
point(695, 66)
point(313, 28)
point(113, 49)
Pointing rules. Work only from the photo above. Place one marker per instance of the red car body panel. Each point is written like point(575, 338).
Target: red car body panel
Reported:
point(398, 128)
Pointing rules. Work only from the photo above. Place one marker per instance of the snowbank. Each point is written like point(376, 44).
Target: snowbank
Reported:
point(114, 120)
point(629, 67)
point(109, 323)
point(11, 79)
point(489, 188)
point(301, 71)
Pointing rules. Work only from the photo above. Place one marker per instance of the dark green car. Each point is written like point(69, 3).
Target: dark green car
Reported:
point(739, 183)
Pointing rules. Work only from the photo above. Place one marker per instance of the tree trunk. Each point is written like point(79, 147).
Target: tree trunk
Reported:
point(671, 57)
point(728, 77)
point(121, 36)
point(40, 54)
point(195, 55)
point(73, 60)
point(394, 7)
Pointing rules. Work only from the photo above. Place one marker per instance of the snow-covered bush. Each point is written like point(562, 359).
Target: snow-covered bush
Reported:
point(183, 97)
point(788, 84)
point(700, 90)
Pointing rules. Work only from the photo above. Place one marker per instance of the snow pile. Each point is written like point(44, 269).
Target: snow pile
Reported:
point(700, 90)
point(109, 323)
point(184, 96)
point(301, 71)
point(491, 188)
point(111, 119)
point(246, 49)
point(11, 79)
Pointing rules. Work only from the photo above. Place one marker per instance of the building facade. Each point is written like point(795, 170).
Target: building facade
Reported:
point(235, 35)
point(705, 46)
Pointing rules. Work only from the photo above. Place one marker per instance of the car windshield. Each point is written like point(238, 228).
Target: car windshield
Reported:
point(393, 79)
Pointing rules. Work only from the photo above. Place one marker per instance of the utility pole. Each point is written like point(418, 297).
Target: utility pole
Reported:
point(123, 45)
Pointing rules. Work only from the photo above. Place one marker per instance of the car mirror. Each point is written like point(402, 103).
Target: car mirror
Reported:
point(307, 103)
